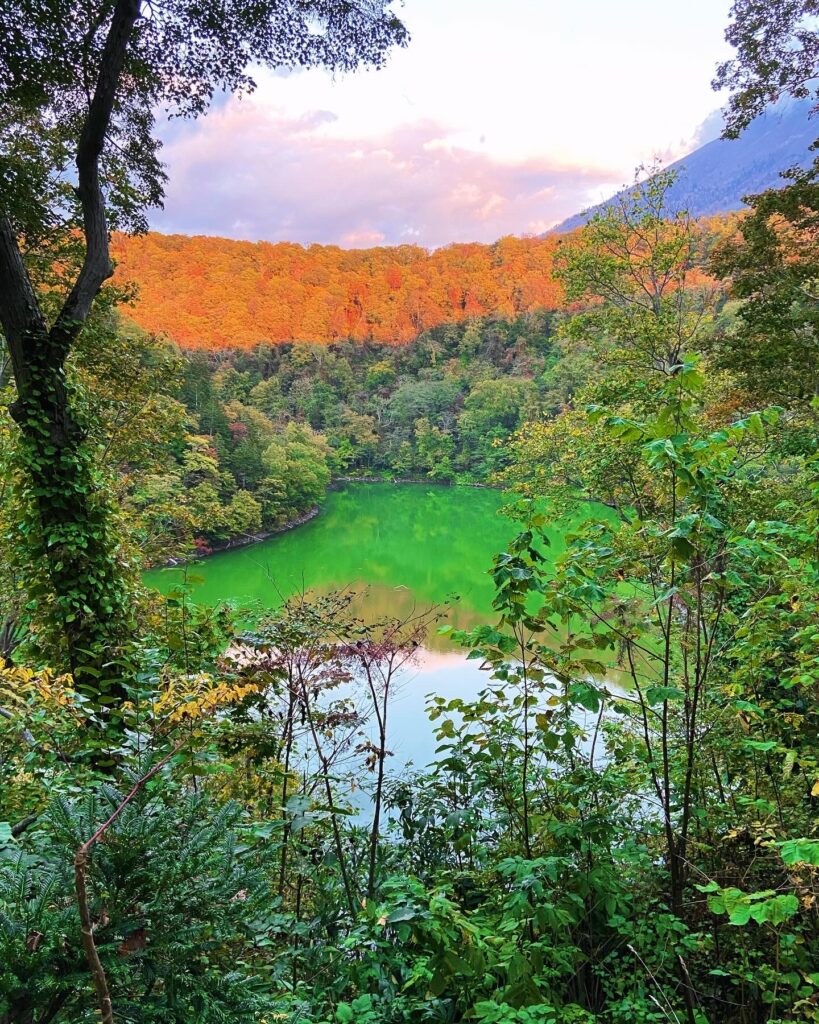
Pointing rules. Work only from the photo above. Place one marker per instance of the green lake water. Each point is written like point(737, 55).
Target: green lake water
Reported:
point(396, 546)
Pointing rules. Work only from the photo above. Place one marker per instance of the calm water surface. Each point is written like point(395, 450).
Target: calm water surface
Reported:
point(398, 547)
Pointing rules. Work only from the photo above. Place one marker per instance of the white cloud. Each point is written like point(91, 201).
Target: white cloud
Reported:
point(497, 118)
point(248, 174)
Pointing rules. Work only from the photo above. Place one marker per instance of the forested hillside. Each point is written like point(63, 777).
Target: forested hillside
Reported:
point(215, 293)
point(253, 438)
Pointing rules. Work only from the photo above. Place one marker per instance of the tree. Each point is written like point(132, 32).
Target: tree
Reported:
point(87, 80)
point(492, 410)
point(688, 586)
point(636, 259)
point(266, 396)
point(243, 515)
point(297, 473)
point(216, 293)
point(354, 440)
point(777, 55)
point(640, 258)
point(432, 399)
point(380, 375)
point(435, 449)
point(494, 404)
point(771, 264)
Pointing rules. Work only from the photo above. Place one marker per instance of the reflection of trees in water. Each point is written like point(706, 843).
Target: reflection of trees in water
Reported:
point(378, 601)
point(401, 546)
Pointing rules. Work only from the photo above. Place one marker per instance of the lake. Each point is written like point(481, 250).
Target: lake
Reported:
point(398, 546)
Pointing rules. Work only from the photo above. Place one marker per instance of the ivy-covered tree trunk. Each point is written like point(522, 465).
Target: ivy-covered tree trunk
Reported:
point(89, 77)
point(72, 534)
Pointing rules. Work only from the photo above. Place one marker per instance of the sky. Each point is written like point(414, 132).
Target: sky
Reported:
point(500, 117)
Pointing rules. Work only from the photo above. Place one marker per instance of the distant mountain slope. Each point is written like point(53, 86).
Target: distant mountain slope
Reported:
point(715, 177)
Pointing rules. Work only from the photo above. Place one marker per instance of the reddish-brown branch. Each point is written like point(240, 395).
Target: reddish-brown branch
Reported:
point(81, 859)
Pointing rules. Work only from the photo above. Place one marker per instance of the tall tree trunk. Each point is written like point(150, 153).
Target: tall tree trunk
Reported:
point(73, 532)
point(74, 535)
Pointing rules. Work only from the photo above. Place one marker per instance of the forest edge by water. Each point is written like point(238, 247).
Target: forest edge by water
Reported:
point(244, 540)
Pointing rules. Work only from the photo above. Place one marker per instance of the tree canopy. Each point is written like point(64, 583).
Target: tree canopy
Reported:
point(83, 83)
point(777, 55)
point(95, 76)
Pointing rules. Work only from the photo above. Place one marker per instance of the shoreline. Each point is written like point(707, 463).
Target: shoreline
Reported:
point(245, 540)
point(411, 480)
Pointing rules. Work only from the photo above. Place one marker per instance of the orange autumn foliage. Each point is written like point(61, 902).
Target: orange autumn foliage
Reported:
point(214, 293)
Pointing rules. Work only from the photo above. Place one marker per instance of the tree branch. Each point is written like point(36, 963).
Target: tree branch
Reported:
point(20, 313)
point(21, 826)
point(97, 266)
point(81, 858)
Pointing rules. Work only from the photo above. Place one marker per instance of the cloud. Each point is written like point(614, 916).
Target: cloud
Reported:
point(248, 172)
point(709, 129)
point(314, 119)
point(706, 131)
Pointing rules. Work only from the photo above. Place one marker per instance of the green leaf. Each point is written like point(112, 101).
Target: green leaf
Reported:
point(682, 547)
point(754, 425)
point(586, 696)
point(740, 914)
point(664, 595)
point(660, 694)
point(746, 705)
point(799, 851)
point(401, 914)
point(777, 910)
point(438, 982)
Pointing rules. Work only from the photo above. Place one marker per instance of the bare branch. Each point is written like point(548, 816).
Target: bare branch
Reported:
point(80, 865)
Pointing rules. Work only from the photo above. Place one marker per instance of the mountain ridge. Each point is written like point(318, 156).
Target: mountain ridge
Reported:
point(715, 177)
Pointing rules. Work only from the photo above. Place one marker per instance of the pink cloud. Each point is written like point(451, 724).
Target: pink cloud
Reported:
point(362, 239)
point(245, 173)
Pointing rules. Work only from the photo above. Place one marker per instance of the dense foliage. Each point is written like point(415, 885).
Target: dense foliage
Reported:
point(81, 87)
point(267, 429)
point(214, 293)
point(620, 827)
point(202, 450)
